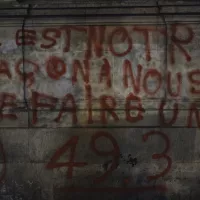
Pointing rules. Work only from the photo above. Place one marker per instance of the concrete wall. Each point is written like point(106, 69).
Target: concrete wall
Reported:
point(100, 109)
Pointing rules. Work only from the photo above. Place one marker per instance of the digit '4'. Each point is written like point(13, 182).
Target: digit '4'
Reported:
point(70, 144)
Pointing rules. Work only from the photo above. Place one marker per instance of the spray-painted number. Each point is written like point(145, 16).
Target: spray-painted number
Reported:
point(114, 152)
point(160, 155)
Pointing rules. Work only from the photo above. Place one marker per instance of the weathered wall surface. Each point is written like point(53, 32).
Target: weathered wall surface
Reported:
point(100, 111)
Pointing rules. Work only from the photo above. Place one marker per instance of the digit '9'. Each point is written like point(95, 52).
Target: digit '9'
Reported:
point(115, 152)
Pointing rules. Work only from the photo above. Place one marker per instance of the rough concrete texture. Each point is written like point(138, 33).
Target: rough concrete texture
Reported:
point(62, 140)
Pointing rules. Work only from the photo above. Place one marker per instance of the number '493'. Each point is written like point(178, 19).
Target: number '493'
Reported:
point(115, 153)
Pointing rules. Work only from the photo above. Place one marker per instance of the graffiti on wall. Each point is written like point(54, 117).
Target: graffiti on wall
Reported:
point(107, 60)
point(102, 74)
point(115, 153)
